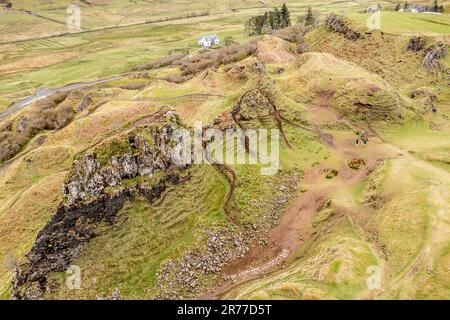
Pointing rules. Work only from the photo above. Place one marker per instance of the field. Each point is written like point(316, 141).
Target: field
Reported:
point(85, 56)
point(410, 23)
point(335, 211)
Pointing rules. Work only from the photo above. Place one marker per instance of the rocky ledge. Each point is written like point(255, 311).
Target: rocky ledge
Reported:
point(340, 25)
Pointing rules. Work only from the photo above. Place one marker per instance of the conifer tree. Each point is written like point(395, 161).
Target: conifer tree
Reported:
point(309, 19)
point(285, 16)
point(272, 20)
point(277, 18)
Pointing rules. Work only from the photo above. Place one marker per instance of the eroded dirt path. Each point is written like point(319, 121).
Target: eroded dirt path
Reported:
point(295, 226)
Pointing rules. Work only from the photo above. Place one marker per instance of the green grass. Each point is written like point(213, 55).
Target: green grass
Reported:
point(102, 54)
point(338, 273)
point(408, 23)
point(128, 254)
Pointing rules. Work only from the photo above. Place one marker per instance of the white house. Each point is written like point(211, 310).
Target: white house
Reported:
point(208, 41)
point(418, 8)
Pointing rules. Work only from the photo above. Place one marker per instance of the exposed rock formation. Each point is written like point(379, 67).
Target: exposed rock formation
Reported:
point(87, 100)
point(433, 54)
point(22, 124)
point(94, 193)
point(341, 25)
point(251, 105)
point(89, 178)
point(221, 247)
point(358, 103)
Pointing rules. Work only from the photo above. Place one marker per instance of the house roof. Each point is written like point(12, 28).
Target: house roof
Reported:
point(209, 38)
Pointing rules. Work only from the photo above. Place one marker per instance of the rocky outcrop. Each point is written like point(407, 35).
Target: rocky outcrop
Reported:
point(22, 124)
point(358, 103)
point(416, 44)
point(90, 179)
point(94, 193)
point(340, 25)
point(251, 105)
point(87, 101)
point(433, 54)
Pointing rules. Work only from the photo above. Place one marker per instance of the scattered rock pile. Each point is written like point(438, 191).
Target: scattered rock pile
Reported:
point(182, 278)
point(423, 92)
point(259, 67)
point(22, 124)
point(86, 102)
point(221, 247)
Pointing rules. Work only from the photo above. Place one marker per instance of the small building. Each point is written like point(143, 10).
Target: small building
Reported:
point(208, 41)
point(374, 8)
point(418, 8)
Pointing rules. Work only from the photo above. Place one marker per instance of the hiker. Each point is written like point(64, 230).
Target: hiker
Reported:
point(364, 138)
point(357, 141)
point(433, 108)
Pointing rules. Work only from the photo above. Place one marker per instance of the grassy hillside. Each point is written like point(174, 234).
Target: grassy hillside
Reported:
point(333, 212)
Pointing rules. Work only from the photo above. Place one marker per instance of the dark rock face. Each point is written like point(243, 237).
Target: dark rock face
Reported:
point(61, 240)
point(340, 25)
point(94, 194)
